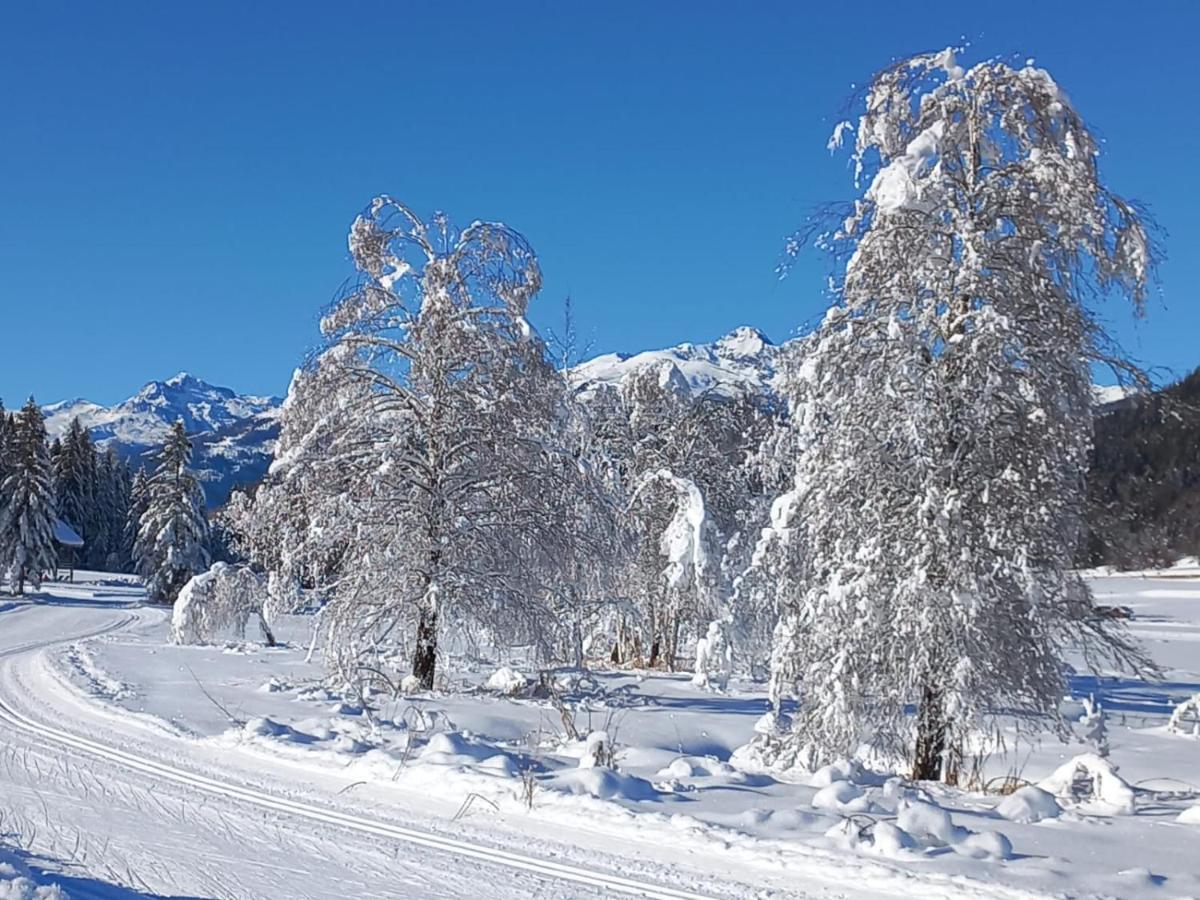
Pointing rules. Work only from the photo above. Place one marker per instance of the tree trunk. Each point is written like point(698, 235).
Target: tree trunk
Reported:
point(268, 635)
point(931, 737)
point(425, 653)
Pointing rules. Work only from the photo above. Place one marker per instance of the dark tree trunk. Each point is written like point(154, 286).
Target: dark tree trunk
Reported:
point(931, 737)
point(268, 635)
point(654, 646)
point(425, 653)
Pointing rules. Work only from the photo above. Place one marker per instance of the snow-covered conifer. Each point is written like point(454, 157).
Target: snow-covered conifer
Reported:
point(27, 517)
point(171, 543)
point(942, 411)
point(139, 497)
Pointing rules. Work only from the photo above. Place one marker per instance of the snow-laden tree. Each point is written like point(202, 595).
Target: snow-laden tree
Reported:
point(139, 498)
point(424, 447)
point(223, 598)
point(690, 500)
point(75, 480)
point(172, 539)
point(112, 499)
point(27, 516)
point(943, 418)
point(7, 453)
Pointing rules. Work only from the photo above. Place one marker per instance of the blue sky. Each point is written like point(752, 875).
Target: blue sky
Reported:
point(176, 180)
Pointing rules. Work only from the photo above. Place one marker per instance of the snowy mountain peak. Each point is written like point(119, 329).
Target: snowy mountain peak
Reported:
point(744, 342)
point(233, 434)
point(743, 360)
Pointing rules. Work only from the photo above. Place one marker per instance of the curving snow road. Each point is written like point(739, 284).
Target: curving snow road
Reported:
point(116, 808)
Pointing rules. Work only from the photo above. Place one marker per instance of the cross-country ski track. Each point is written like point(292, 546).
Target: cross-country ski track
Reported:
point(115, 807)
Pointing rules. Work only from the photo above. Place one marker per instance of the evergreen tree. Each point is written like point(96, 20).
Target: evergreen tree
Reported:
point(6, 451)
point(74, 480)
point(172, 540)
point(112, 508)
point(27, 518)
point(139, 499)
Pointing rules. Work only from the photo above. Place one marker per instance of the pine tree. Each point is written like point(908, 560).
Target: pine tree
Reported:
point(943, 416)
point(112, 510)
point(139, 499)
point(27, 518)
point(171, 543)
point(6, 450)
point(74, 480)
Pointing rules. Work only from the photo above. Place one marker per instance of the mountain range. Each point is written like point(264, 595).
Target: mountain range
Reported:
point(234, 434)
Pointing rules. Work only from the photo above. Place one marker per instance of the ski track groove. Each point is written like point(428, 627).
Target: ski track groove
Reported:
point(362, 825)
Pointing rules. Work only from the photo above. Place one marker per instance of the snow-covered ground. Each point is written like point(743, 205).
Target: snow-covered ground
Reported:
point(140, 768)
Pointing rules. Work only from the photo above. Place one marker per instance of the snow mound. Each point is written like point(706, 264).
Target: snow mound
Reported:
point(841, 770)
point(506, 681)
point(1190, 816)
point(841, 797)
point(933, 826)
point(604, 784)
point(890, 840)
point(1088, 778)
point(458, 750)
point(696, 767)
point(17, 882)
point(1029, 804)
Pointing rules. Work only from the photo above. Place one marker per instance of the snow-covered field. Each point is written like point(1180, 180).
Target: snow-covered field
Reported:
point(132, 767)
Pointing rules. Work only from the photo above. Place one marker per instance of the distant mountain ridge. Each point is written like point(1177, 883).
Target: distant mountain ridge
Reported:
point(233, 434)
point(743, 360)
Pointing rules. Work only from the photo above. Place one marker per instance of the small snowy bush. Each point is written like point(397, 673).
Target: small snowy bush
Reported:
point(224, 597)
point(506, 681)
point(714, 657)
point(1090, 778)
point(1188, 709)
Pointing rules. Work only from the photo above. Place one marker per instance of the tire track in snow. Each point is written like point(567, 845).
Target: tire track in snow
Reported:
point(311, 812)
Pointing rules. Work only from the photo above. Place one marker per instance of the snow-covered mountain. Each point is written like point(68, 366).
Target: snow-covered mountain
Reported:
point(233, 434)
point(742, 360)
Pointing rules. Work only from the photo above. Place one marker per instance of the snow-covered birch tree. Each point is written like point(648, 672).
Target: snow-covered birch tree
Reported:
point(680, 460)
point(27, 516)
point(943, 415)
point(428, 436)
point(171, 543)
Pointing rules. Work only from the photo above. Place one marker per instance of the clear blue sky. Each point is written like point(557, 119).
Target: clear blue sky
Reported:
point(176, 179)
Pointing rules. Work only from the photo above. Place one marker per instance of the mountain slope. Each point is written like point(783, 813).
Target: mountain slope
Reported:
point(742, 360)
point(233, 434)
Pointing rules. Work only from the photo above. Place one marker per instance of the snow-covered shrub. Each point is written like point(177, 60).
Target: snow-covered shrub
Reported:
point(225, 597)
point(599, 751)
point(714, 657)
point(1090, 778)
point(1188, 710)
point(506, 681)
point(1095, 728)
